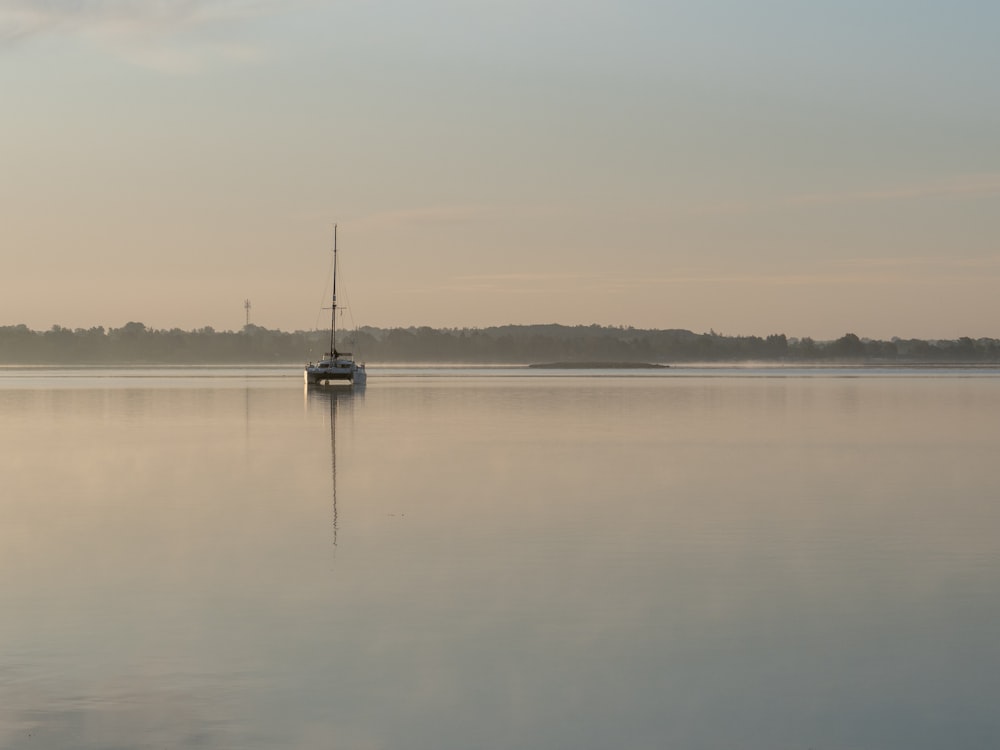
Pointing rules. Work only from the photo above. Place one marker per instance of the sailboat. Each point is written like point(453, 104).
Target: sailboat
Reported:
point(335, 367)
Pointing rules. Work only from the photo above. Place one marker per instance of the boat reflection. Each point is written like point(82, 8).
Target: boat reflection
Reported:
point(328, 401)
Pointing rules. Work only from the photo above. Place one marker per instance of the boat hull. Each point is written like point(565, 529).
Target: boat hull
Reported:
point(335, 372)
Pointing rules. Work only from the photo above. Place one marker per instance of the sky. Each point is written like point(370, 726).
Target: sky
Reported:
point(744, 167)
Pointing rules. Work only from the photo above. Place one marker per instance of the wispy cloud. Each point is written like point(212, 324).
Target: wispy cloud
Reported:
point(452, 213)
point(854, 271)
point(502, 278)
point(523, 283)
point(168, 35)
point(849, 272)
point(961, 185)
point(921, 263)
point(448, 214)
point(949, 188)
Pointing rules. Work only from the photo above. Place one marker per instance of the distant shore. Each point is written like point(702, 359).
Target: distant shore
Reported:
point(548, 345)
point(598, 366)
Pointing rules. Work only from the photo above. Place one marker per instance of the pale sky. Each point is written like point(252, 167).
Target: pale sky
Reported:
point(810, 168)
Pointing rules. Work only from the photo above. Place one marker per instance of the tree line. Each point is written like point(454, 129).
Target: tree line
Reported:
point(135, 343)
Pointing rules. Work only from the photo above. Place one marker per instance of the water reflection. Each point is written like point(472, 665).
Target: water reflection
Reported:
point(520, 562)
point(327, 400)
point(149, 574)
point(117, 716)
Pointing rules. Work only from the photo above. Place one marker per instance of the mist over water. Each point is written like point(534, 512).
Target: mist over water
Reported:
point(495, 558)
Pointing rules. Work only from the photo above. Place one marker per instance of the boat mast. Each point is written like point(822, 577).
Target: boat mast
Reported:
point(333, 308)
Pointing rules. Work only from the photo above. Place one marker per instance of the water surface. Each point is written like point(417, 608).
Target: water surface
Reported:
point(494, 558)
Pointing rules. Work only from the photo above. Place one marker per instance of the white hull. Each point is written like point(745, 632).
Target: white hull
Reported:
point(331, 371)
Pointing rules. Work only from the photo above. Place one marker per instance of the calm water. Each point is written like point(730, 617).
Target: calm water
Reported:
point(496, 559)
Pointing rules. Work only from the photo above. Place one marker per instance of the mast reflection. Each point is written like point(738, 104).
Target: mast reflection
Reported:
point(328, 401)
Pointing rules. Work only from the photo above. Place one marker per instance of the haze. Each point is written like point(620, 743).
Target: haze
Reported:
point(805, 168)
